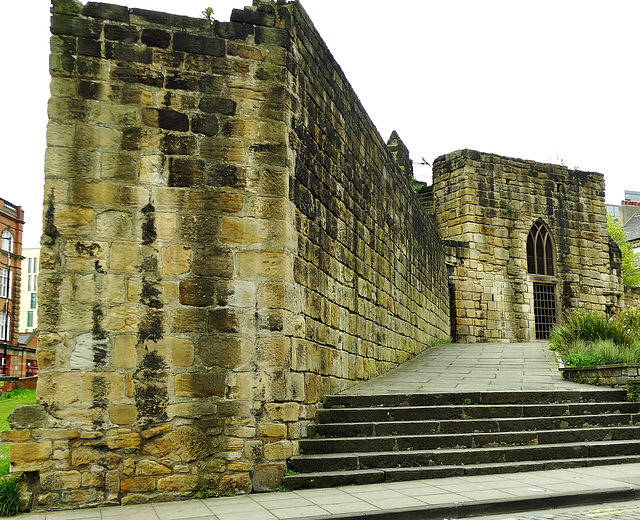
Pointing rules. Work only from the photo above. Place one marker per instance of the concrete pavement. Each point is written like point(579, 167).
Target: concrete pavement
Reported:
point(455, 367)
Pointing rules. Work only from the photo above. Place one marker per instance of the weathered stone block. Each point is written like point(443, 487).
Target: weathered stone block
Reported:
point(137, 484)
point(178, 483)
point(176, 259)
point(267, 477)
point(193, 384)
point(123, 414)
point(149, 467)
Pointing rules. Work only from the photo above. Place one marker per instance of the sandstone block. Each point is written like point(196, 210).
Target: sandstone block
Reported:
point(60, 480)
point(224, 350)
point(81, 496)
point(116, 441)
point(191, 410)
point(124, 351)
point(264, 263)
point(85, 455)
point(178, 483)
point(253, 450)
point(100, 386)
point(273, 430)
point(267, 477)
point(15, 435)
point(114, 224)
point(193, 384)
point(149, 467)
point(186, 443)
point(280, 450)
point(125, 257)
point(123, 414)
point(243, 231)
point(60, 387)
point(235, 483)
point(137, 484)
point(176, 259)
point(178, 352)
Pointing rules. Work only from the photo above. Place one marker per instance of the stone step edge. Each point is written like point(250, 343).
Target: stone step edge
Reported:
point(373, 476)
point(489, 421)
point(451, 437)
point(477, 397)
point(457, 451)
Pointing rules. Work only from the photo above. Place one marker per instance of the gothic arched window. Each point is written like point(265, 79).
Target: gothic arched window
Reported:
point(540, 250)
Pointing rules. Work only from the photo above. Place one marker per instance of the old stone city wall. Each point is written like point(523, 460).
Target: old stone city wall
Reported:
point(486, 206)
point(227, 239)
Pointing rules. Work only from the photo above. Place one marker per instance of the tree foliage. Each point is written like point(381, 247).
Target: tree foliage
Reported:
point(630, 260)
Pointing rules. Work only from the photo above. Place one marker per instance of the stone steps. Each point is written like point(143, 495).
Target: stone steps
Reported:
point(366, 439)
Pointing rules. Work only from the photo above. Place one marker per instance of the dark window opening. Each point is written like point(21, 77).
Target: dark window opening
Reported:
point(540, 250)
point(544, 308)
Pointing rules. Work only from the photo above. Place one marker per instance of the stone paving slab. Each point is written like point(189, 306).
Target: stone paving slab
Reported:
point(472, 366)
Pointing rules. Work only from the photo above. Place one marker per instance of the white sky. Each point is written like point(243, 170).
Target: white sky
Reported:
point(547, 80)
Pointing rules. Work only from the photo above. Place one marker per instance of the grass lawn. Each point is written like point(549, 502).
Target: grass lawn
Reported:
point(6, 407)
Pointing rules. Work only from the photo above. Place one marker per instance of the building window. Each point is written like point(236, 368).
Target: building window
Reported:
point(33, 300)
point(7, 241)
point(29, 283)
point(540, 250)
point(29, 318)
point(5, 283)
point(4, 326)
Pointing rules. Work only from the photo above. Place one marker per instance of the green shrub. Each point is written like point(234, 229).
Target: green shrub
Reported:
point(594, 338)
point(10, 496)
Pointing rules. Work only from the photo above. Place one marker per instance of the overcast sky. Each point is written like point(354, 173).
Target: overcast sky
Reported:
point(547, 80)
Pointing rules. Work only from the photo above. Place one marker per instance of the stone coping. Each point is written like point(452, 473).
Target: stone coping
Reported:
point(618, 374)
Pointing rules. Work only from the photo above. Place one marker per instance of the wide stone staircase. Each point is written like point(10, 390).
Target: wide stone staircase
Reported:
point(363, 439)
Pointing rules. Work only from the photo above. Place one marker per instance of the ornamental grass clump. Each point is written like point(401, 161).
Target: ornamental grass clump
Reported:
point(10, 496)
point(594, 338)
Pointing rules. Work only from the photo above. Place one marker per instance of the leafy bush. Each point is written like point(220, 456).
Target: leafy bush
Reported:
point(10, 496)
point(17, 393)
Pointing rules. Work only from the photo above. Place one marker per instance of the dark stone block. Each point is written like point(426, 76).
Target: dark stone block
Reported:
point(225, 175)
point(198, 292)
point(181, 81)
point(207, 125)
point(171, 120)
point(171, 20)
point(216, 261)
point(272, 154)
point(273, 36)
point(132, 74)
point(69, 7)
point(173, 144)
point(114, 12)
point(198, 44)
point(127, 52)
point(89, 47)
point(90, 89)
point(233, 31)
point(253, 17)
point(185, 172)
point(223, 320)
point(195, 227)
point(121, 33)
point(74, 26)
point(156, 38)
point(132, 138)
point(218, 105)
point(210, 83)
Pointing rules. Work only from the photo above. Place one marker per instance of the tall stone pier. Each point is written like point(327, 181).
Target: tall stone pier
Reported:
point(226, 240)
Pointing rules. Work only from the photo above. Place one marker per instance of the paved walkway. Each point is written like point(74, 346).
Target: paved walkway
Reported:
point(455, 367)
point(476, 366)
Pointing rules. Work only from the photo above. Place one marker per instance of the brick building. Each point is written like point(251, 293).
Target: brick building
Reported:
point(11, 222)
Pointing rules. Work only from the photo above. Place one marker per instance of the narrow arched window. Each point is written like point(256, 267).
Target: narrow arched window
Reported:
point(7, 241)
point(540, 250)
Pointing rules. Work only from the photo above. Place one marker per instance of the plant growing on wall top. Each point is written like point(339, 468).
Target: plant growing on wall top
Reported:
point(630, 260)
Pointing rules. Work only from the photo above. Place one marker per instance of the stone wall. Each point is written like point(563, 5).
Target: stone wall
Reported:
point(632, 297)
point(226, 239)
point(486, 205)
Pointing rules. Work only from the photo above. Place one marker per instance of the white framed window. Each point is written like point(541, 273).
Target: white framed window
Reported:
point(29, 278)
point(5, 282)
point(33, 300)
point(7, 241)
point(4, 326)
